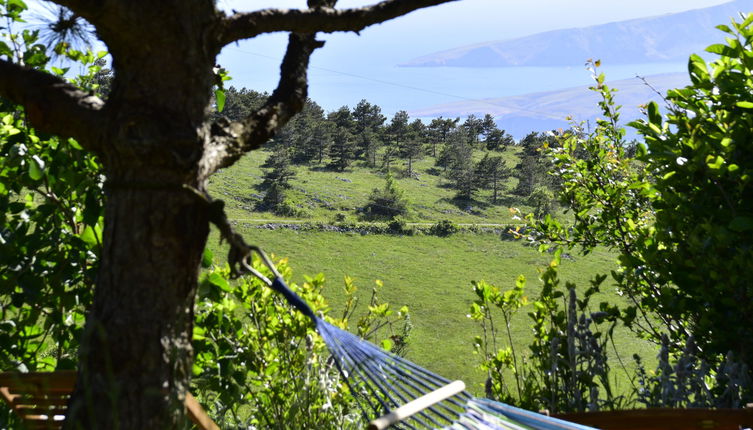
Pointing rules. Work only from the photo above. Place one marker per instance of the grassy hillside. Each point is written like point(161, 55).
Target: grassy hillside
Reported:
point(324, 193)
point(429, 274)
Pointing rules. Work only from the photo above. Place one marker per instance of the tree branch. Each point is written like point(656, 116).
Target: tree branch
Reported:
point(52, 104)
point(322, 19)
point(91, 10)
point(231, 140)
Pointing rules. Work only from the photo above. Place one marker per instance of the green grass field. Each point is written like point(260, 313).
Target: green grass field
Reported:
point(429, 274)
point(432, 276)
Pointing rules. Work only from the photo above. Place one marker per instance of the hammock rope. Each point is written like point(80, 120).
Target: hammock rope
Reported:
point(403, 394)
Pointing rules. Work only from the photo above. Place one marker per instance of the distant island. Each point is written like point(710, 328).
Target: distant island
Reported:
point(666, 38)
point(518, 115)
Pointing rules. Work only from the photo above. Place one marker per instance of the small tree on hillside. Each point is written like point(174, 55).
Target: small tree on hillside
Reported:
point(280, 170)
point(490, 173)
point(438, 130)
point(533, 168)
point(542, 201)
point(388, 202)
point(369, 141)
point(457, 158)
point(412, 146)
point(498, 140)
point(367, 120)
point(473, 125)
point(488, 125)
point(343, 149)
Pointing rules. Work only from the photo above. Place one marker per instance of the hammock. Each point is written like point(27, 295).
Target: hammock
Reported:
point(402, 394)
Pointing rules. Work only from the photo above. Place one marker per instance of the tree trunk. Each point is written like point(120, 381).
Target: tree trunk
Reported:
point(153, 138)
point(135, 359)
point(494, 197)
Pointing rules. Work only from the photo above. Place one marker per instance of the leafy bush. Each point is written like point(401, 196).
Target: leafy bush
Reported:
point(277, 201)
point(701, 156)
point(398, 225)
point(51, 208)
point(678, 217)
point(388, 202)
point(260, 364)
point(444, 228)
point(542, 201)
point(566, 368)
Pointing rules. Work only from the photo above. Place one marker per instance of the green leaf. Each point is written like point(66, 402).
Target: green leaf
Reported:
point(714, 163)
point(387, 344)
point(92, 235)
point(654, 117)
point(745, 105)
point(741, 223)
point(217, 280)
point(699, 72)
point(724, 28)
point(198, 333)
point(17, 3)
point(718, 48)
point(206, 258)
point(220, 97)
point(36, 168)
point(74, 144)
point(5, 50)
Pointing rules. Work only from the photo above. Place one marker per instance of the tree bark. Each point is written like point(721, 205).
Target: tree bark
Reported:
point(158, 147)
point(135, 361)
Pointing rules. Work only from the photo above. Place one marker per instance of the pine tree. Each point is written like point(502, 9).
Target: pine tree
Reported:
point(438, 130)
point(343, 149)
point(458, 159)
point(367, 123)
point(532, 170)
point(473, 125)
point(412, 146)
point(280, 170)
point(490, 172)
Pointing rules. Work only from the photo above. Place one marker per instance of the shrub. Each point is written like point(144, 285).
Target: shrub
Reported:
point(444, 228)
point(260, 364)
point(397, 225)
point(388, 202)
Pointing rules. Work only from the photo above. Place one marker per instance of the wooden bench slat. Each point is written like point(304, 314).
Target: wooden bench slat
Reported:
point(664, 419)
point(36, 401)
point(43, 425)
point(35, 390)
point(35, 410)
point(27, 393)
point(57, 381)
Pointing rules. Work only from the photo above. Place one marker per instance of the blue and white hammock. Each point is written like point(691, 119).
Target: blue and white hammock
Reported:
point(402, 394)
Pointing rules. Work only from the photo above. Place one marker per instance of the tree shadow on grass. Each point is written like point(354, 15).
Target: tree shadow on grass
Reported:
point(467, 205)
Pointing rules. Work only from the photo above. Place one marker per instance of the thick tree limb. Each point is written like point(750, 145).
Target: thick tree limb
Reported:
point(246, 25)
point(231, 140)
point(52, 104)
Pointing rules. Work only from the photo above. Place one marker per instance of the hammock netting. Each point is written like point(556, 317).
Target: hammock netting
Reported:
point(382, 382)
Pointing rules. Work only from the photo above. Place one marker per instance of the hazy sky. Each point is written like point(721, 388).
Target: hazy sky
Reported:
point(351, 67)
point(461, 23)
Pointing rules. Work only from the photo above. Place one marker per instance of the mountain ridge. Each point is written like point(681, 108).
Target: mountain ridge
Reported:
point(662, 38)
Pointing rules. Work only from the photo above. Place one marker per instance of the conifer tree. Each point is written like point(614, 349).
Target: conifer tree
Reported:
point(343, 149)
point(490, 172)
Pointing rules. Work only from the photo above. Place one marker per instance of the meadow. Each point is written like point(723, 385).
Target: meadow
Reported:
point(431, 275)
